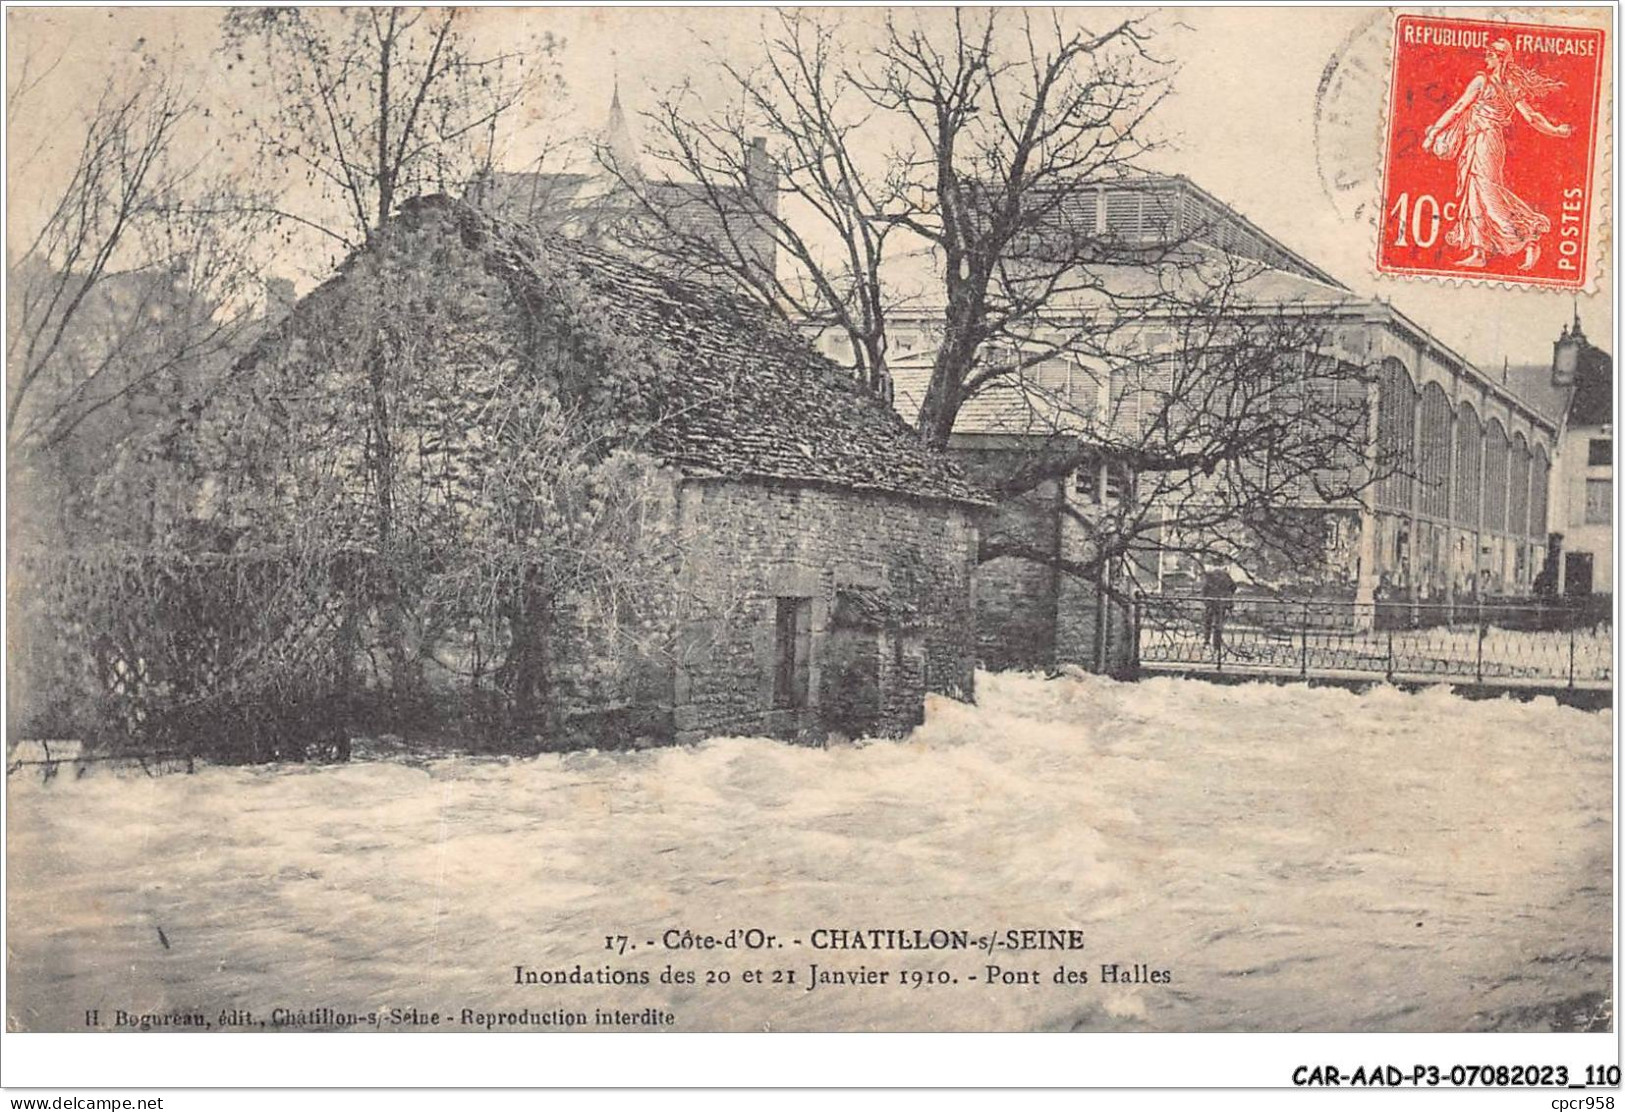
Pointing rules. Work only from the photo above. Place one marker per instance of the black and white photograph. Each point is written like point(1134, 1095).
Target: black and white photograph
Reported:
point(812, 520)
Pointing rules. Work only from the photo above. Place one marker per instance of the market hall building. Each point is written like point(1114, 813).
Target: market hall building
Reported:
point(1463, 516)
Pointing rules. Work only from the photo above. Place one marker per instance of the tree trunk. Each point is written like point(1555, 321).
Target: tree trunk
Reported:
point(385, 172)
point(403, 679)
point(532, 707)
point(956, 357)
point(939, 411)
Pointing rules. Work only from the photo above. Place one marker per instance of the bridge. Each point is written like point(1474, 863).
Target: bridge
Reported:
point(1481, 649)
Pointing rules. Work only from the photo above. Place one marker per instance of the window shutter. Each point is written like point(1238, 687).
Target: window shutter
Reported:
point(1123, 217)
point(1052, 377)
point(1086, 393)
point(1086, 482)
point(1087, 213)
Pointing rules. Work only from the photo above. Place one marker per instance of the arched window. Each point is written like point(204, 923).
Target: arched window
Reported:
point(1433, 452)
point(1469, 457)
point(1333, 403)
point(1396, 456)
point(1497, 475)
point(1518, 500)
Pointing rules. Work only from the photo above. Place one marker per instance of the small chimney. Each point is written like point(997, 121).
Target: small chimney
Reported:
point(761, 175)
point(762, 179)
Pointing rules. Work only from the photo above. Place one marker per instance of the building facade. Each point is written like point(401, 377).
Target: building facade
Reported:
point(1463, 515)
point(1467, 516)
point(1582, 491)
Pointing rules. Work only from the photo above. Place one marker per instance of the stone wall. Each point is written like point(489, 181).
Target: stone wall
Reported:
point(1029, 615)
point(1094, 630)
point(750, 544)
point(1016, 597)
point(1094, 623)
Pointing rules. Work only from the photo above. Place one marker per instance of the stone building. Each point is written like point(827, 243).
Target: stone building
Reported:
point(1583, 487)
point(1465, 514)
point(833, 552)
point(1577, 391)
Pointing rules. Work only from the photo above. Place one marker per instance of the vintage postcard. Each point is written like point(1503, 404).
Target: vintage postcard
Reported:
point(862, 520)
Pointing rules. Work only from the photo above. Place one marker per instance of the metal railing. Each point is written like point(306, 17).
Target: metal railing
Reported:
point(1496, 644)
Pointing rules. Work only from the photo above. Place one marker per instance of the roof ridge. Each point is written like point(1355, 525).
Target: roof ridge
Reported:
point(750, 396)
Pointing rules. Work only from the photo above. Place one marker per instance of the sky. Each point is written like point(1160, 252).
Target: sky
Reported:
point(1277, 112)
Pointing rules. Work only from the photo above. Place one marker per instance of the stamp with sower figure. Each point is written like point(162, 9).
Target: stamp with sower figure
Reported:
point(1490, 142)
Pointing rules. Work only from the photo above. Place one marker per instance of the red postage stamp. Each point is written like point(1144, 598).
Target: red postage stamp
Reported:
point(1491, 136)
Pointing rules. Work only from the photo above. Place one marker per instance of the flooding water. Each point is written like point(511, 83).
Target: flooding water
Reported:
point(1250, 858)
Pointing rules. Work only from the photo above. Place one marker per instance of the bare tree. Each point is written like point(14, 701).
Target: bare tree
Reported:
point(376, 106)
point(133, 287)
point(372, 106)
point(832, 212)
point(132, 281)
point(914, 147)
point(939, 172)
point(1218, 432)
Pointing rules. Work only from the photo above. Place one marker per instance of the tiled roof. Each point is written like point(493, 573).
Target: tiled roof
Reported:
point(1532, 382)
point(746, 396)
point(595, 207)
point(705, 215)
point(531, 194)
point(1586, 404)
point(1190, 274)
point(1135, 206)
point(1013, 406)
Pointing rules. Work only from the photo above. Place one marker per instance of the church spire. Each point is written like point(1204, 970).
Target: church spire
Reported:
point(617, 134)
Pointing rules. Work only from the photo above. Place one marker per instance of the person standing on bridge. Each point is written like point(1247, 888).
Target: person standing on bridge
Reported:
point(1218, 597)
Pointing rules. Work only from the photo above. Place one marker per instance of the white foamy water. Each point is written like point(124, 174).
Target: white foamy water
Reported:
point(1296, 859)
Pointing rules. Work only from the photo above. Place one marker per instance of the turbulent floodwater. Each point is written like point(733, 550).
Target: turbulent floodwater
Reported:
point(1293, 858)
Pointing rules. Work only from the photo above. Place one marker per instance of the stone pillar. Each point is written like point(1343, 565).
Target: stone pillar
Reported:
point(1480, 500)
point(1412, 563)
point(1529, 508)
point(1450, 513)
point(1506, 509)
point(1365, 589)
